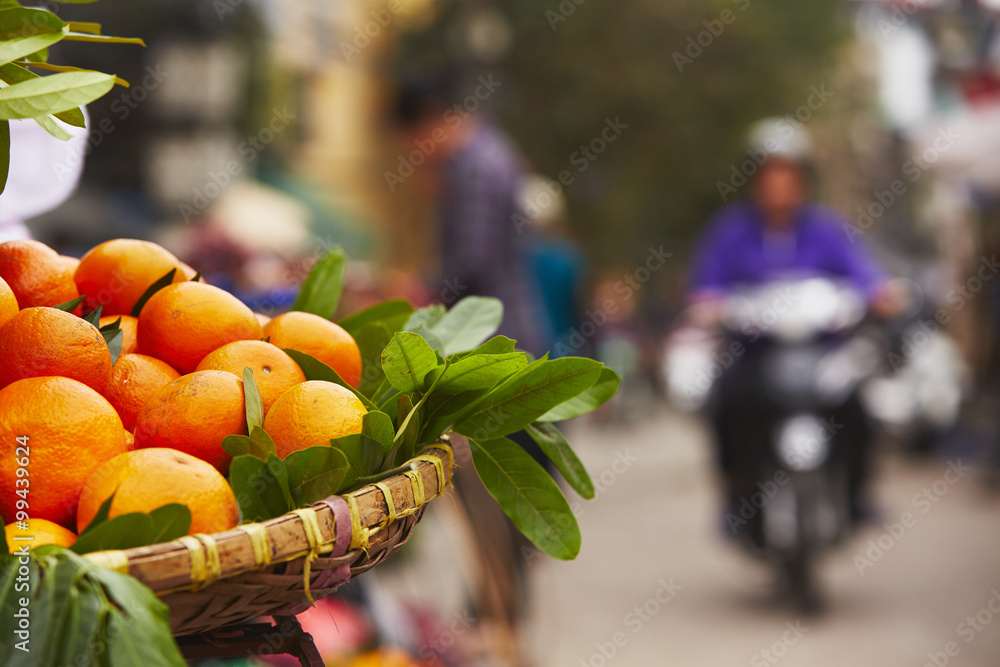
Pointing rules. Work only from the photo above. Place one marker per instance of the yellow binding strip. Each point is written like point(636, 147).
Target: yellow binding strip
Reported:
point(260, 542)
point(113, 560)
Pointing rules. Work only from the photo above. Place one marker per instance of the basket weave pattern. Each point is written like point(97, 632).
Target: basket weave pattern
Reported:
point(209, 581)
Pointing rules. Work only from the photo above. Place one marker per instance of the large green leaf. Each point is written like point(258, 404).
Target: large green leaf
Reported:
point(314, 369)
point(526, 396)
point(364, 456)
point(122, 532)
point(553, 443)
point(320, 293)
point(52, 94)
point(495, 345)
point(315, 473)
point(372, 339)
point(254, 404)
point(406, 360)
point(261, 487)
point(528, 496)
point(480, 371)
point(24, 31)
point(393, 314)
point(441, 410)
point(606, 386)
point(377, 425)
point(470, 322)
point(12, 73)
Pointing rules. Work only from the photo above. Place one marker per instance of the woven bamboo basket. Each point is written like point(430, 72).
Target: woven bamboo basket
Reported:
point(280, 566)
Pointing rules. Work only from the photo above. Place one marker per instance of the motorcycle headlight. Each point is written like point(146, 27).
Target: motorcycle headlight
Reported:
point(802, 443)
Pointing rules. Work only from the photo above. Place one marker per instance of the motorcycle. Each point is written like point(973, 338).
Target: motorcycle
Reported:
point(783, 388)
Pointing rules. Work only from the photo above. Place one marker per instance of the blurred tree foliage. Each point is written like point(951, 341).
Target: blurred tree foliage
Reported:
point(571, 65)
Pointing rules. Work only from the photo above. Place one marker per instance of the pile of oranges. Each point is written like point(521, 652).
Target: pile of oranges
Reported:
point(77, 427)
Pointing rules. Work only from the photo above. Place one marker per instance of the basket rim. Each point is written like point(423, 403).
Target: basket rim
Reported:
point(195, 561)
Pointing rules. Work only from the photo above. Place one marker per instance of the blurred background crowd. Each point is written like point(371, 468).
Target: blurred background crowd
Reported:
point(257, 134)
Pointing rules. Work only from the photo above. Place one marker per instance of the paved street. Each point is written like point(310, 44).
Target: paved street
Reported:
point(655, 583)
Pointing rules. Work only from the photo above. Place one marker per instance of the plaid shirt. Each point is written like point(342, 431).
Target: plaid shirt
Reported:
point(481, 247)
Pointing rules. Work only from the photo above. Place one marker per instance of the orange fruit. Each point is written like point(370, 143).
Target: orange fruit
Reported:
point(66, 431)
point(118, 272)
point(36, 273)
point(193, 414)
point(147, 479)
point(45, 341)
point(320, 338)
point(262, 319)
point(312, 414)
point(8, 302)
point(182, 323)
point(129, 326)
point(274, 371)
point(134, 379)
point(38, 532)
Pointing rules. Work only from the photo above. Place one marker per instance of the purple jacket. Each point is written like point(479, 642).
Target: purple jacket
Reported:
point(735, 250)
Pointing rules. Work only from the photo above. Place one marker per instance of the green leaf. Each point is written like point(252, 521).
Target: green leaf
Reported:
point(554, 444)
point(49, 67)
point(261, 487)
point(597, 395)
point(105, 39)
point(114, 338)
point(52, 94)
point(72, 117)
point(25, 31)
point(495, 345)
point(314, 369)
point(254, 403)
point(169, 522)
point(101, 516)
point(378, 426)
point(372, 339)
point(111, 326)
point(50, 126)
point(12, 73)
point(392, 314)
point(70, 306)
point(480, 371)
point(83, 26)
point(315, 473)
point(123, 532)
point(320, 293)
point(364, 456)
point(440, 412)
point(258, 444)
point(162, 282)
point(527, 395)
point(470, 322)
point(406, 360)
point(425, 317)
point(94, 317)
point(528, 496)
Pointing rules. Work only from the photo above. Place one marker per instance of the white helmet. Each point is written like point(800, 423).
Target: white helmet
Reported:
point(783, 137)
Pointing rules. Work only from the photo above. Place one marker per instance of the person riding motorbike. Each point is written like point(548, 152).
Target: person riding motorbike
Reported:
point(777, 234)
